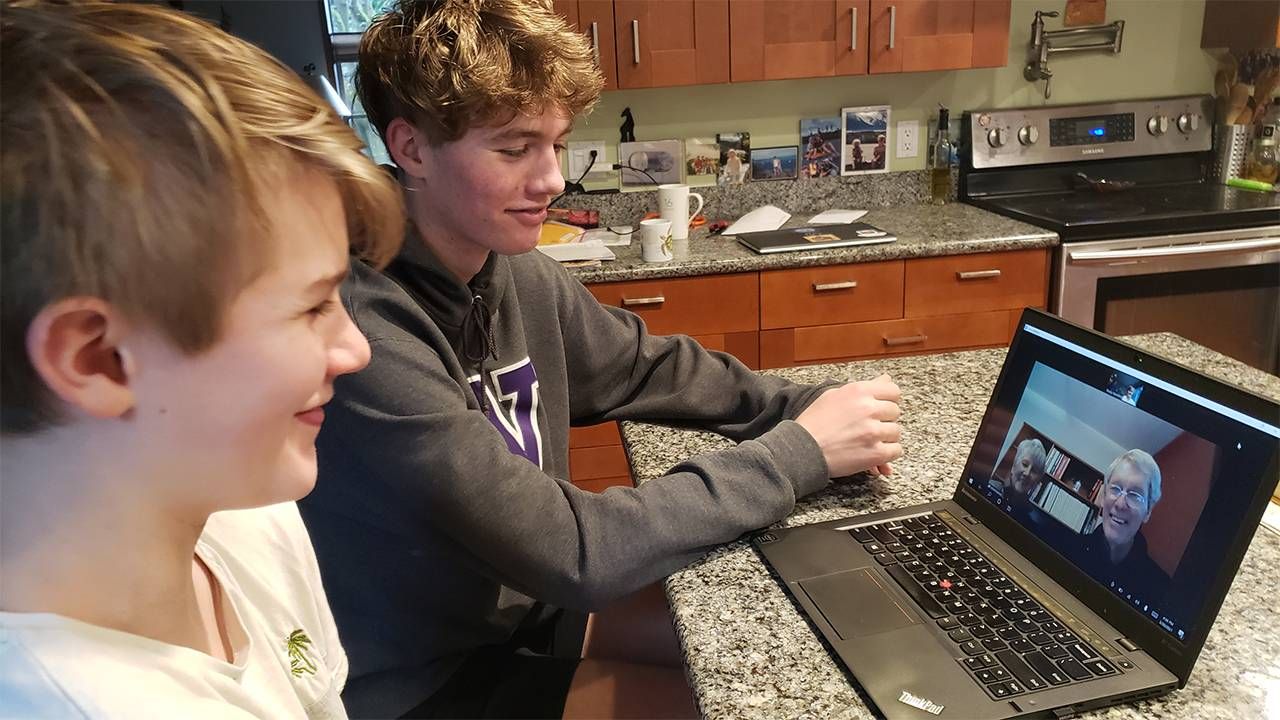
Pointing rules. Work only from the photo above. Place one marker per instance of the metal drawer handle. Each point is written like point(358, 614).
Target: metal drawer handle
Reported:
point(853, 36)
point(595, 41)
point(911, 340)
point(977, 274)
point(635, 41)
point(632, 302)
point(893, 24)
point(846, 285)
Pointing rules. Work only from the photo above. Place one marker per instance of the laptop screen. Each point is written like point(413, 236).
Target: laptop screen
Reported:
point(1140, 484)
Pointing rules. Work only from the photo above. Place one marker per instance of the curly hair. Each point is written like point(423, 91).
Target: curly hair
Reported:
point(139, 146)
point(449, 65)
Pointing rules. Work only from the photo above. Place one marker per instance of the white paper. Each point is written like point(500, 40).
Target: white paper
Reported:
point(836, 217)
point(765, 217)
point(619, 236)
point(569, 252)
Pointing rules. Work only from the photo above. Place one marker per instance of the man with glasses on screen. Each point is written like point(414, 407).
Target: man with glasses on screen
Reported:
point(1116, 550)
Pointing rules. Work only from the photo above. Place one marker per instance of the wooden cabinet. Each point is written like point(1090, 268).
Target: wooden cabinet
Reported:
point(774, 40)
point(595, 19)
point(915, 35)
point(781, 318)
point(908, 307)
point(671, 42)
point(1241, 24)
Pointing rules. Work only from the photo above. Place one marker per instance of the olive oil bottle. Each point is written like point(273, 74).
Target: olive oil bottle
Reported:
point(940, 161)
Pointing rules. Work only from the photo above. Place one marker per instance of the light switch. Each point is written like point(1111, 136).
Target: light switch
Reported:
point(908, 138)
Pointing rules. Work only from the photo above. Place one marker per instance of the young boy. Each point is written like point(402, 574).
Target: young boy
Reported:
point(444, 519)
point(177, 215)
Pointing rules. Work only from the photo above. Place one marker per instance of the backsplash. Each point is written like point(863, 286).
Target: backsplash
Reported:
point(856, 192)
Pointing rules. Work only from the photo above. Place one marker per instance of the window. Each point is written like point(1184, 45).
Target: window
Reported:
point(347, 20)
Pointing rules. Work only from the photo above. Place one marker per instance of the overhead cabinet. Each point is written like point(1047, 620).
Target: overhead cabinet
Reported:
point(663, 43)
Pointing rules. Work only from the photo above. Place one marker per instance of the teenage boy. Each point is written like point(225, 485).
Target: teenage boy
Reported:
point(444, 517)
point(177, 210)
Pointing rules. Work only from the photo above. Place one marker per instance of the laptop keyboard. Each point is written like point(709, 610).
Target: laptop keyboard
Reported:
point(1012, 644)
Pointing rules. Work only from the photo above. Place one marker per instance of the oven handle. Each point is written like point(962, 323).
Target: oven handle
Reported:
point(1102, 256)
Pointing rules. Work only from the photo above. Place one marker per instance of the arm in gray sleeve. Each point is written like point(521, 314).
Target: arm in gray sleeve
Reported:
point(442, 462)
point(624, 373)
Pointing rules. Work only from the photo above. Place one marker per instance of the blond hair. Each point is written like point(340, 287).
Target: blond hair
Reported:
point(138, 145)
point(449, 65)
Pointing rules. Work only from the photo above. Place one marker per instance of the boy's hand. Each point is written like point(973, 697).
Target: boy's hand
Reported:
point(856, 425)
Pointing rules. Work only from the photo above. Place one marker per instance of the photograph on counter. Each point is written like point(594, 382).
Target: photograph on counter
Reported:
point(820, 143)
point(775, 163)
point(735, 157)
point(648, 164)
point(865, 147)
point(701, 161)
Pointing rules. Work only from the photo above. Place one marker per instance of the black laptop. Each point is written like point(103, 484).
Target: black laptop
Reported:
point(814, 237)
point(1103, 511)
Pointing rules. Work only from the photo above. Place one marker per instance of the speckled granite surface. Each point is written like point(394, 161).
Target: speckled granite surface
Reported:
point(751, 655)
point(796, 196)
point(923, 230)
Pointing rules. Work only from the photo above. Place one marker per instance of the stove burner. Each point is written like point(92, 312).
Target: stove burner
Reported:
point(1098, 208)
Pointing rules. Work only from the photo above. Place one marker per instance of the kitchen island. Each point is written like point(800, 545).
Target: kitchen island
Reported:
point(750, 654)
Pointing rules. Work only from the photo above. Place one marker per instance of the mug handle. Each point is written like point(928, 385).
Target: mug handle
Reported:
point(694, 214)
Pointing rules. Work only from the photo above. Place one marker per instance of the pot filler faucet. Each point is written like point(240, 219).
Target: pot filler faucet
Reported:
point(1043, 45)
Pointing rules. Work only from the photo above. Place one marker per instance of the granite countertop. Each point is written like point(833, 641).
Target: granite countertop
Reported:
point(750, 654)
point(923, 231)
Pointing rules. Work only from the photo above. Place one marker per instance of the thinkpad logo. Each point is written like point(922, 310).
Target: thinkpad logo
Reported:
point(907, 698)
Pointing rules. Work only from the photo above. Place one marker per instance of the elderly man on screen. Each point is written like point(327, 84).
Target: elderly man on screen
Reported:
point(1116, 550)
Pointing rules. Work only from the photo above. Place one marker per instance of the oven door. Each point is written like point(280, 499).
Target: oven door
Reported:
point(1220, 289)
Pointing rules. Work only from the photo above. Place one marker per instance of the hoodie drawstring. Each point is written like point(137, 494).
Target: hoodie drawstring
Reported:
point(478, 343)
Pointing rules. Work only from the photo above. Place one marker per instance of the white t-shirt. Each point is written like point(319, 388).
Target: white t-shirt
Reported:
point(288, 661)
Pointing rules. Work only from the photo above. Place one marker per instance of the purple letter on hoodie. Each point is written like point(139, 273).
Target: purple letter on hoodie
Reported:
point(515, 412)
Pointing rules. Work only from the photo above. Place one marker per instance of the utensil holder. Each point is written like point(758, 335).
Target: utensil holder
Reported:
point(1230, 143)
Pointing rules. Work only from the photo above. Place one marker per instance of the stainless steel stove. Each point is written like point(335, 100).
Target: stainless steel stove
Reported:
point(1147, 244)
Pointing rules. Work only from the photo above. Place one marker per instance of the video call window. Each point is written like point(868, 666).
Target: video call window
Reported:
point(1113, 488)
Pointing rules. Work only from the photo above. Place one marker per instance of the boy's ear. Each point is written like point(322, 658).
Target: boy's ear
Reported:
point(73, 346)
point(407, 147)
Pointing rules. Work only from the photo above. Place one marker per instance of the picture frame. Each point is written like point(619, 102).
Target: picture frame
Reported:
point(661, 159)
point(701, 161)
point(775, 163)
point(864, 141)
point(735, 157)
point(820, 147)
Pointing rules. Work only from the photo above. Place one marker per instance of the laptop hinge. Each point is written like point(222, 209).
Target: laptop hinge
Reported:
point(1127, 644)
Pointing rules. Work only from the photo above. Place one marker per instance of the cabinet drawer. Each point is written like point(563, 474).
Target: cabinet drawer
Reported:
point(602, 484)
point(595, 435)
point(745, 346)
point(693, 306)
point(976, 283)
point(593, 463)
point(897, 337)
point(826, 295)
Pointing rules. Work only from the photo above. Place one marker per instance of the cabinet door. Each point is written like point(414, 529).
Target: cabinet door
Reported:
point(661, 43)
point(915, 35)
point(779, 39)
point(595, 19)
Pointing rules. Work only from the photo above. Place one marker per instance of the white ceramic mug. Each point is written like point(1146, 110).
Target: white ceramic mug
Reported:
point(655, 240)
point(673, 205)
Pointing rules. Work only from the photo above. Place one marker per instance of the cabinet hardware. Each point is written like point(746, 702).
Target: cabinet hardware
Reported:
point(632, 302)
point(853, 36)
point(595, 41)
point(893, 24)
point(635, 41)
point(977, 274)
point(847, 284)
point(911, 340)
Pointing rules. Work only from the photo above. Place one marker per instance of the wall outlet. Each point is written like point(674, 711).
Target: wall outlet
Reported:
point(908, 138)
point(580, 159)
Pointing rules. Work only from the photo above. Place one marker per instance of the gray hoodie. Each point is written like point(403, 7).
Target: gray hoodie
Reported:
point(439, 517)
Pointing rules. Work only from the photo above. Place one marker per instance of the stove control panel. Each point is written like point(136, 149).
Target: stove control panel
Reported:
point(1071, 133)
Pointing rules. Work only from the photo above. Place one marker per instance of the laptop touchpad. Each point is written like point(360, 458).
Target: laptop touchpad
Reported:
point(856, 603)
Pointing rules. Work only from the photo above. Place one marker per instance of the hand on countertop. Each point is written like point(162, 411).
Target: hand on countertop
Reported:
point(856, 425)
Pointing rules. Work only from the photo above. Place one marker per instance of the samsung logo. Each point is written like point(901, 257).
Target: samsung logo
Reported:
point(907, 698)
point(1093, 151)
